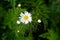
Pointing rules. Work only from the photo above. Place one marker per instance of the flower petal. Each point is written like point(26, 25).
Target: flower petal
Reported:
point(30, 19)
point(21, 14)
point(26, 13)
point(26, 22)
point(29, 14)
point(22, 20)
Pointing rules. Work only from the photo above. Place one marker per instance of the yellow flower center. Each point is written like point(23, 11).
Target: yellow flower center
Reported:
point(25, 17)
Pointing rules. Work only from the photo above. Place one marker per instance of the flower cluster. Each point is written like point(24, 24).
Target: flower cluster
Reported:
point(25, 18)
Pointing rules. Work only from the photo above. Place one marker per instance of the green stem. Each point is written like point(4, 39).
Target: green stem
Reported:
point(13, 2)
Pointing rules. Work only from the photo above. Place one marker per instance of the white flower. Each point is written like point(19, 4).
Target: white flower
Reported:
point(18, 22)
point(19, 5)
point(39, 21)
point(26, 17)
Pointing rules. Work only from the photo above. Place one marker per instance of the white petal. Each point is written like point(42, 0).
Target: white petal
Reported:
point(30, 19)
point(22, 20)
point(26, 13)
point(26, 22)
point(21, 14)
point(29, 14)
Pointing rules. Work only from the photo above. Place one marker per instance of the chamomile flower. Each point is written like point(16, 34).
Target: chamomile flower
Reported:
point(26, 17)
point(18, 22)
point(19, 5)
point(39, 21)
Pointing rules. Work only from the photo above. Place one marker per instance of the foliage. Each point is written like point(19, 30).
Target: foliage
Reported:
point(49, 15)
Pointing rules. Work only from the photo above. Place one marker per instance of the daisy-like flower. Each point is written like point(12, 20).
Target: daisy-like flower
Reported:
point(26, 17)
point(18, 22)
point(39, 21)
point(19, 5)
